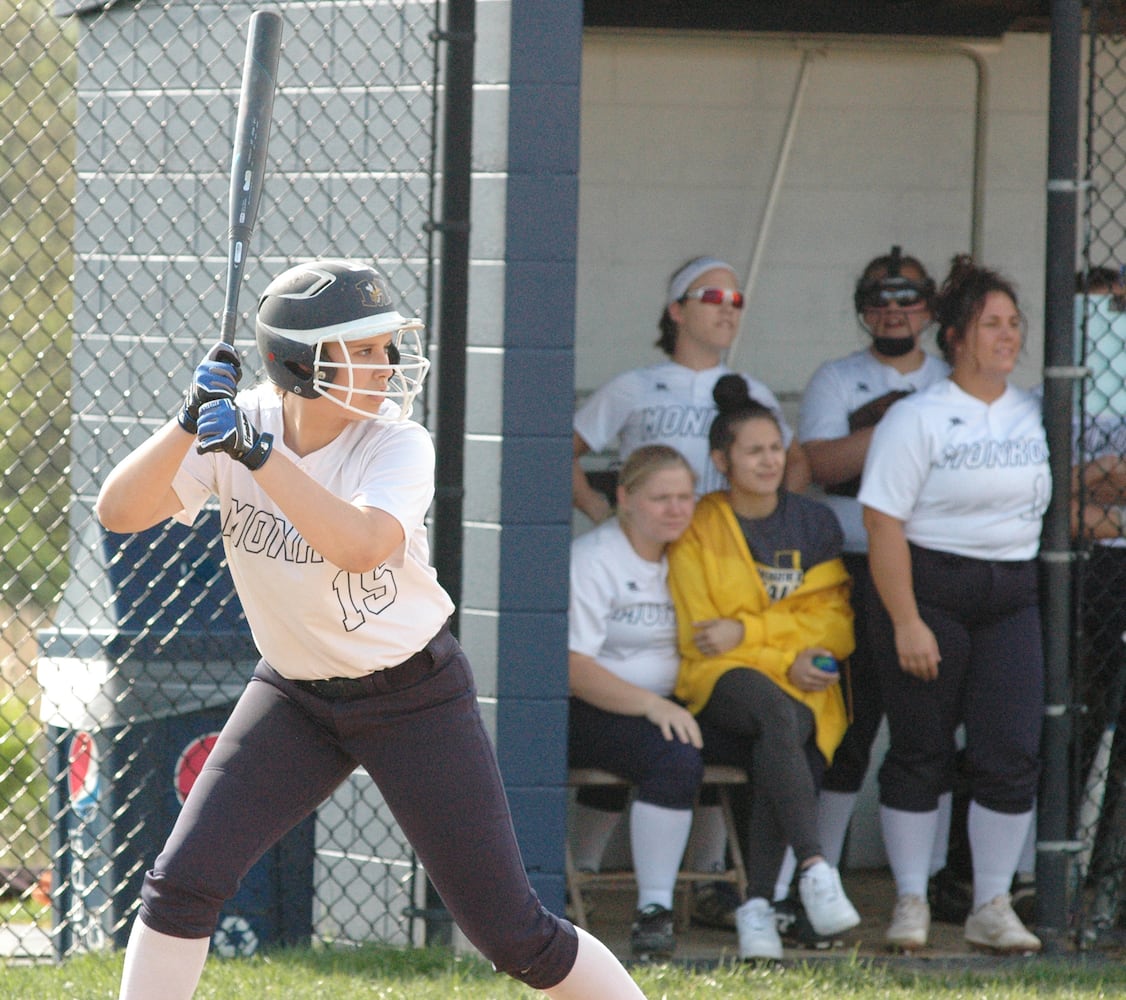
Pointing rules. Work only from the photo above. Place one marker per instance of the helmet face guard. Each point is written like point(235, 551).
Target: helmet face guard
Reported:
point(888, 291)
point(338, 302)
point(405, 361)
point(891, 287)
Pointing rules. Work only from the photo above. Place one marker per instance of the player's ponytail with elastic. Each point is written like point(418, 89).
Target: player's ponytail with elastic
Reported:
point(961, 299)
point(667, 327)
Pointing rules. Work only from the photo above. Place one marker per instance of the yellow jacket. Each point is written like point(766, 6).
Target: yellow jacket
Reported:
point(713, 575)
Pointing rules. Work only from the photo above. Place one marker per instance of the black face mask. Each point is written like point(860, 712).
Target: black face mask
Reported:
point(893, 347)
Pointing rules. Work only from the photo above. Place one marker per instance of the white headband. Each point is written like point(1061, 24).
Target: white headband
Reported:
point(680, 282)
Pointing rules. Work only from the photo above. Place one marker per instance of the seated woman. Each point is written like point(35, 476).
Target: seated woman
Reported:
point(761, 596)
point(623, 665)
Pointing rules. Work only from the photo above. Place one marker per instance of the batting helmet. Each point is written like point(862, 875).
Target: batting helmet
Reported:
point(337, 301)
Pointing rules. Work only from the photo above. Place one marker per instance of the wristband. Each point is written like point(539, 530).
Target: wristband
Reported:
point(256, 457)
point(185, 419)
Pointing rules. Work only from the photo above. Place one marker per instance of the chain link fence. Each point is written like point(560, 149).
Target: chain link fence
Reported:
point(1100, 618)
point(121, 655)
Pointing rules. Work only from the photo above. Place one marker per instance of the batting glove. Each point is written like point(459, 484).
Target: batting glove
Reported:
point(224, 427)
point(216, 377)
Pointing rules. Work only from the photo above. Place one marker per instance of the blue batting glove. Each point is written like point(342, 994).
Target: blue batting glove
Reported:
point(224, 427)
point(216, 377)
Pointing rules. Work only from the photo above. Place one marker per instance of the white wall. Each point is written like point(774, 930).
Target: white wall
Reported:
point(680, 136)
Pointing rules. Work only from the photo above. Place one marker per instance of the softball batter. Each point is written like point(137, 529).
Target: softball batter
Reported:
point(323, 484)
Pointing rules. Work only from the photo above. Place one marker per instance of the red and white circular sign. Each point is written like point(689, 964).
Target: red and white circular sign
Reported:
point(83, 778)
point(190, 764)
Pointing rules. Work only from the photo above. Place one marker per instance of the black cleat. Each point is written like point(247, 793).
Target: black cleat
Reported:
point(714, 905)
point(653, 933)
point(796, 931)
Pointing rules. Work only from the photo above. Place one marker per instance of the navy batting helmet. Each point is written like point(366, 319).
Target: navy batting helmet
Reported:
point(338, 301)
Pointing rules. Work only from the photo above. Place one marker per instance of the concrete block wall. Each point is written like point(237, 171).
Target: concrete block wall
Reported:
point(680, 137)
point(521, 378)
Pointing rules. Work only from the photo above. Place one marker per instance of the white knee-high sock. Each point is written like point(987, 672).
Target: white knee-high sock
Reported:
point(834, 813)
point(596, 973)
point(785, 875)
point(161, 967)
point(591, 830)
point(657, 837)
point(707, 846)
point(942, 833)
point(996, 842)
point(909, 839)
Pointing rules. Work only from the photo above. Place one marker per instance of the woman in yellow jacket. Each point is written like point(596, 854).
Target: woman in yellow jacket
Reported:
point(763, 616)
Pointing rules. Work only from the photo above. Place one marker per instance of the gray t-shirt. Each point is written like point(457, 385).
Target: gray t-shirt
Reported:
point(799, 534)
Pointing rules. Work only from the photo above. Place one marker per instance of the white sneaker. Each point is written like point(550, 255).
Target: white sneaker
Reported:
point(758, 934)
point(824, 899)
point(995, 926)
point(910, 924)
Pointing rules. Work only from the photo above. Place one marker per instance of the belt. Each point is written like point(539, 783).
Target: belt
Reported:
point(402, 675)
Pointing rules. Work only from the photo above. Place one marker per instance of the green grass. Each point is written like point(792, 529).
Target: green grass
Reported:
point(434, 974)
point(25, 911)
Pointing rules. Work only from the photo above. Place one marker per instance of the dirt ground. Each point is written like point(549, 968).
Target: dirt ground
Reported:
point(871, 891)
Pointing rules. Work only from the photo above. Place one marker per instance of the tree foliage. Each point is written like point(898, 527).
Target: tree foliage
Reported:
point(37, 186)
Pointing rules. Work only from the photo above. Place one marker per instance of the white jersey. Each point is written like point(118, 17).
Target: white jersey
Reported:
point(666, 403)
point(309, 618)
point(965, 477)
point(621, 614)
point(839, 388)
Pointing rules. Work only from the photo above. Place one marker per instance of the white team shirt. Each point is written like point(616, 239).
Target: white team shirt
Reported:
point(666, 403)
point(309, 618)
point(965, 477)
point(840, 387)
point(621, 614)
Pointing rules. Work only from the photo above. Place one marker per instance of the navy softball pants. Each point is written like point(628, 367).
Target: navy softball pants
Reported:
point(418, 733)
point(986, 618)
point(666, 772)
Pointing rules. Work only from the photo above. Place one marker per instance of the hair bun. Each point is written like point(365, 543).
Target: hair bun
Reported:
point(731, 393)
